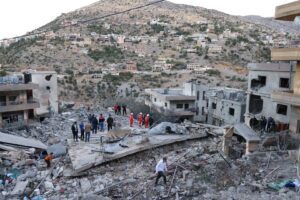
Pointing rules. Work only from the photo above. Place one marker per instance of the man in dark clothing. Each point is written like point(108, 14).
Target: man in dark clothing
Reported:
point(124, 110)
point(110, 122)
point(95, 124)
point(119, 110)
point(263, 123)
point(150, 121)
point(75, 131)
point(81, 127)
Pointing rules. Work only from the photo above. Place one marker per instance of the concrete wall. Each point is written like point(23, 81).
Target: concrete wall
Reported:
point(47, 91)
point(273, 72)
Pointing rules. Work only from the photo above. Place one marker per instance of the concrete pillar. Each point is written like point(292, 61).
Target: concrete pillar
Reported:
point(227, 140)
point(26, 116)
point(297, 79)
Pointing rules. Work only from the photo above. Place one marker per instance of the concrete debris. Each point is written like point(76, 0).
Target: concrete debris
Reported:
point(120, 164)
point(20, 141)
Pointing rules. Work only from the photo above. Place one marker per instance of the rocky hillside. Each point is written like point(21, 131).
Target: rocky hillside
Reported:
point(167, 36)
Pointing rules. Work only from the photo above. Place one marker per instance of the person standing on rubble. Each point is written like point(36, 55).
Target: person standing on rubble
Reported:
point(147, 121)
point(95, 125)
point(119, 110)
point(124, 110)
point(110, 122)
point(48, 159)
point(116, 108)
point(75, 131)
point(131, 119)
point(101, 122)
point(150, 121)
point(140, 119)
point(81, 127)
point(160, 170)
point(87, 130)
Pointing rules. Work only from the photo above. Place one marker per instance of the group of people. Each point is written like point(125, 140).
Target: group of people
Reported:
point(91, 126)
point(145, 120)
point(118, 108)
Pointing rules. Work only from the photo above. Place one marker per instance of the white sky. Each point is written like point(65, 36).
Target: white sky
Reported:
point(20, 16)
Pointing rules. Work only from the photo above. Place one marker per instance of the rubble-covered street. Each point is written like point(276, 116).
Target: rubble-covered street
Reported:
point(123, 164)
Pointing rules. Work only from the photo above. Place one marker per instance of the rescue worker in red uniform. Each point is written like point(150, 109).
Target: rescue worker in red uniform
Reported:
point(131, 120)
point(147, 121)
point(140, 119)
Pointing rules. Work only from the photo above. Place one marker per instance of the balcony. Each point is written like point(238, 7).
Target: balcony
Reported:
point(288, 12)
point(18, 87)
point(285, 54)
point(17, 106)
point(286, 98)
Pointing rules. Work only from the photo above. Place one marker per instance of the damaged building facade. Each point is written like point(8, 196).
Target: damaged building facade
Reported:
point(46, 92)
point(17, 102)
point(172, 102)
point(215, 105)
point(263, 80)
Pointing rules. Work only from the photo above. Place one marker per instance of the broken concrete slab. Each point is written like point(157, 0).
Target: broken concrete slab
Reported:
point(57, 149)
point(167, 127)
point(20, 187)
point(20, 141)
point(84, 156)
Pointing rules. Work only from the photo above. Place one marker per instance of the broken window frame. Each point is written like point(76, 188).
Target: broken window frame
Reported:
point(284, 84)
point(179, 105)
point(231, 111)
point(283, 108)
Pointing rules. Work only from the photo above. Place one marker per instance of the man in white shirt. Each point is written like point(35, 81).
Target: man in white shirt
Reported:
point(160, 170)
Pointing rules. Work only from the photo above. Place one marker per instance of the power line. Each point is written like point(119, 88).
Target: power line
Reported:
point(95, 19)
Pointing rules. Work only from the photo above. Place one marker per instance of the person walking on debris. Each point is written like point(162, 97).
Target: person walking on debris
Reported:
point(131, 119)
point(160, 170)
point(48, 159)
point(116, 108)
point(140, 119)
point(75, 131)
point(95, 125)
point(110, 122)
point(101, 122)
point(87, 130)
point(81, 127)
point(124, 110)
point(147, 121)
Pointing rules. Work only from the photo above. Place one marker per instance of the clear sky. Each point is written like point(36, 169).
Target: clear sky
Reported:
point(20, 16)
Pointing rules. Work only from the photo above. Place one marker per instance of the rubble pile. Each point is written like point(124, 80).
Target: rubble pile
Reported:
point(197, 168)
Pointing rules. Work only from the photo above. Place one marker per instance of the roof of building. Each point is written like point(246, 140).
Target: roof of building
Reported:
point(272, 67)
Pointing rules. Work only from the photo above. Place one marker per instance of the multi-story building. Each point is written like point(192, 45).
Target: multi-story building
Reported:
point(290, 53)
point(172, 102)
point(17, 104)
point(263, 80)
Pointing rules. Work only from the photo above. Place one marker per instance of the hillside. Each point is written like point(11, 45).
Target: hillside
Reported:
point(167, 36)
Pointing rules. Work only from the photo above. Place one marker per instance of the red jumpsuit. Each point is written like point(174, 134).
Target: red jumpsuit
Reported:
point(140, 119)
point(131, 120)
point(147, 122)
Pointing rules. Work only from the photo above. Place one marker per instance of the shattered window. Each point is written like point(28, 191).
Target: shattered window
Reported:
point(281, 109)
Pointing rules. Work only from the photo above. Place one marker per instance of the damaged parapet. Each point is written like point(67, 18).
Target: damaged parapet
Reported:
point(47, 91)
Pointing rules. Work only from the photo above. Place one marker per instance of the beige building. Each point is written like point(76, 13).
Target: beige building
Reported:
point(17, 104)
point(290, 53)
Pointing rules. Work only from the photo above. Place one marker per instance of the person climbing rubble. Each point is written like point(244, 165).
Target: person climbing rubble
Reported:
point(131, 119)
point(87, 130)
point(147, 121)
point(110, 122)
point(101, 122)
point(48, 159)
point(81, 127)
point(75, 131)
point(160, 170)
point(140, 119)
